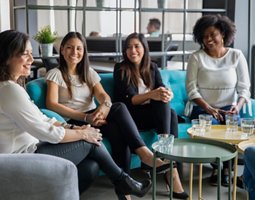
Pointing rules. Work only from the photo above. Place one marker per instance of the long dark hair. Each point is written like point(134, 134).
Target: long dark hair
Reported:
point(129, 68)
point(12, 43)
point(82, 67)
point(222, 23)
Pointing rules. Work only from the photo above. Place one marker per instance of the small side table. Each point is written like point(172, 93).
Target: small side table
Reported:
point(195, 151)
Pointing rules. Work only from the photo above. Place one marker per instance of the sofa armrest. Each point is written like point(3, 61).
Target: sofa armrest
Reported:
point(51, 114)
point(37, 176)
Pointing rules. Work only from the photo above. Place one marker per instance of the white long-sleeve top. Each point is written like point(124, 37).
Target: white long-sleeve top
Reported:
point(22, 124)
point(218, 80)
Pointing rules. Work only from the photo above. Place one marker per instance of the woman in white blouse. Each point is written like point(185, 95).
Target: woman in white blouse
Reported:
point(216, 74)
point(22, 124)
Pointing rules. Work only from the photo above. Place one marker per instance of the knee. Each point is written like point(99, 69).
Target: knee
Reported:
point(249, 153)
point(119, 107)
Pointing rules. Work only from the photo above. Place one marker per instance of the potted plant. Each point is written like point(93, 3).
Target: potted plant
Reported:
point(46, 38)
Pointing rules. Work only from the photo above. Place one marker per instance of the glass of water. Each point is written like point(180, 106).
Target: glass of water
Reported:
point(166, 142)
point(198, 128)
point(206, 120)
point(247, 125)
point(232, 123)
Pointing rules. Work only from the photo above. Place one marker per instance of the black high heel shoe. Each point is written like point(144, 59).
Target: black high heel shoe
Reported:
point(159, 170)
point(182, 195)
point(126, 185)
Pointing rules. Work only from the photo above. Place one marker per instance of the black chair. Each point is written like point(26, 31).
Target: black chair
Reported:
point(170, 47)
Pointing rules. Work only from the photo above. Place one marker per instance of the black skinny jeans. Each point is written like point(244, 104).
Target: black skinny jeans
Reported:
point(88, 158)
point(122, 133)
point(156, 115)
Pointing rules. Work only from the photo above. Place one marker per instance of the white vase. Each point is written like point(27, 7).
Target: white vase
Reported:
point(46, 49)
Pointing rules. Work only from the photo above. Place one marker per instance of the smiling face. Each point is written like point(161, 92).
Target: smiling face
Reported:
point(135, 51)
point(213, 38)
point(73, 51)
point(20, 63)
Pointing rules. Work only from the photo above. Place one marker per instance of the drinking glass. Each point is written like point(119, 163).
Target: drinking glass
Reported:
point(247, 125)
point(206, 120)
point(232, 123)
point(198, 128)
point(166, 142)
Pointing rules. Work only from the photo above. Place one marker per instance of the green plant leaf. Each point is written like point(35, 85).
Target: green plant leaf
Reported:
point(45, 36)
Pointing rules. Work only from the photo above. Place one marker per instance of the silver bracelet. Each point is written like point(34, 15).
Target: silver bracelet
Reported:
point(85, 118)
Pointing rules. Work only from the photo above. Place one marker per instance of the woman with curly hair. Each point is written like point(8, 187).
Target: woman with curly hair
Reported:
point(216, 74)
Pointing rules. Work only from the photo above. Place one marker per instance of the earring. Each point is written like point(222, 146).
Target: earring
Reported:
point(222, 41)
point(203, 46)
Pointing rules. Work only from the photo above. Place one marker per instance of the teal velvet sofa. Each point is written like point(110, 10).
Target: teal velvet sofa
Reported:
point(171, 78)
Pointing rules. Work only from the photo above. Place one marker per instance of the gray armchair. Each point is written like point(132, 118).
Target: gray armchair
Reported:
point(37, 177)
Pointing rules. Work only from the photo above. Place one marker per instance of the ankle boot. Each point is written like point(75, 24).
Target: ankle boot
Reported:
point(126, 185)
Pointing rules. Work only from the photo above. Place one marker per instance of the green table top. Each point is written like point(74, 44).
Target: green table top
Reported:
point(197, 150)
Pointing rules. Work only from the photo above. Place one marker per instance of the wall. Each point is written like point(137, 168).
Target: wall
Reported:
point(4, 16)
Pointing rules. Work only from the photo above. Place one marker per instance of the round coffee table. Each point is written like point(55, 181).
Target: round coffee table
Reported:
point(243, 145)
point(218, 133)
point(194, 151)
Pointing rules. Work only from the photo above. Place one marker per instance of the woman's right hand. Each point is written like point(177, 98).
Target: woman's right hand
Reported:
point(91, 134)
point(215, 112)
point(161, 94)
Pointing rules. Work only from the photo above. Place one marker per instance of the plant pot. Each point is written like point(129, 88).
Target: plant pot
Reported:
point(46, 49)
point(161, 3)
point(100, 3)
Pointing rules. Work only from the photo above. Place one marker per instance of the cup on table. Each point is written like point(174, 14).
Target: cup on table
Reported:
point(232, 123)
point(198, 128)
point(166, 143)
point(206, 120)
point(247, 126)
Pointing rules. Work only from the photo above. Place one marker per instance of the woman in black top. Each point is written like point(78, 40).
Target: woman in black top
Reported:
point(137, 83)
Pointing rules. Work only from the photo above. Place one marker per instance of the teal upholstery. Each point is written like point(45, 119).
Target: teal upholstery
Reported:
point(171, 78)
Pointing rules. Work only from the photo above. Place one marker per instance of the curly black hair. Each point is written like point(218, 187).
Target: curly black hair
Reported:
point(222, 23)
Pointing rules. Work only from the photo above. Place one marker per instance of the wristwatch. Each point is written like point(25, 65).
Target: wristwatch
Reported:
point(108, 104)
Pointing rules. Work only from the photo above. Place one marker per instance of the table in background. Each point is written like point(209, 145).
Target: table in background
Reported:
point(218, 133)
point(194, 151)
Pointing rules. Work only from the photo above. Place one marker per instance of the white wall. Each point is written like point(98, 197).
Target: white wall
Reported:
point(4, 15)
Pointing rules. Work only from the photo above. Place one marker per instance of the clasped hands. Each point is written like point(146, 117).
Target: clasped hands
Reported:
point(162, 94)
point(98, 117)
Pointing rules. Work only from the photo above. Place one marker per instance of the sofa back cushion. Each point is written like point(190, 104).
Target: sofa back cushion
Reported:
point(171, 78)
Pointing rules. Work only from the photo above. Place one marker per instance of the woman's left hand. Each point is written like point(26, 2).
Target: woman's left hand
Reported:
point(233, 110)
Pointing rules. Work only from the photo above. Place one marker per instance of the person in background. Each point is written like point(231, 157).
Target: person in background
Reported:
point(94, 34)
point(249, 171)
point(216, 74)
point(153, 27)
point(137, 83)
point(22, 124)
point(71, 89)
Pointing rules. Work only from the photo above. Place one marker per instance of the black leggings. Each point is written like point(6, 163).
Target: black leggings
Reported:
point(156, 115)
point(88, 158)
point(122, 133)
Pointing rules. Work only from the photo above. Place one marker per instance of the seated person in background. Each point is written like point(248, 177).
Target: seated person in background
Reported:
point(94, 34)
point(22, 124)
point(215, 75)
point(249, 171)
point(153, 27)
point(138, 84)
point(71, 89)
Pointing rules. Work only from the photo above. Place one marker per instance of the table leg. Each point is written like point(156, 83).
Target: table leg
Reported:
point(235, 175)
point(190, 181)
point(200, 181)
point(219, 178)
point(230, 181)
point(171, 181)
point(154, 177)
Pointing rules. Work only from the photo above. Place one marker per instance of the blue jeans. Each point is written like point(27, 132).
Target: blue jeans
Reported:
point(249, 171)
